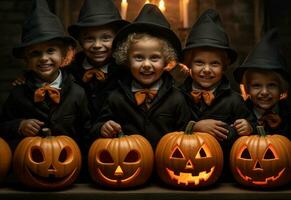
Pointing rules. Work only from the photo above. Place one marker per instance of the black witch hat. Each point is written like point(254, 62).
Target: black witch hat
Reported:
point(97, 13)
point(41, 26)
point(150, 20)
point(208, 32)
point(266, 55)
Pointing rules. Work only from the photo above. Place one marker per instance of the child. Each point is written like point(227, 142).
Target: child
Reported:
point(146, 103)
point(264, 77)
point(49, 97)
point(94, 68)
point(221, 111)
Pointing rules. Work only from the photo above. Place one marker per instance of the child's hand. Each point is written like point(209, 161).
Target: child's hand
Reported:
point(110, 129)
point(213, 127)
point(20, 80)
point(242, 126)
point(30, 127)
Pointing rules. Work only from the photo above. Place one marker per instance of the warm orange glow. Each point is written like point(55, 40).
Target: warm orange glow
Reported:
point(162, 6)
point(185, 13)
point(243, 91)
point(177, 149)
point(273, 151)
point(147, 1)
point(189, 165)
point(268, 179)
point(188, 178)
point(206, 150)
point(118, 171)
point(123, 11)
point(239, 154)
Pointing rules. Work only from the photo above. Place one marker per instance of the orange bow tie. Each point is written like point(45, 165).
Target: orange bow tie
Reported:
point(207, 96)
point(53, 93)
point(89, 74)
point(145, 96)
point(271, 118)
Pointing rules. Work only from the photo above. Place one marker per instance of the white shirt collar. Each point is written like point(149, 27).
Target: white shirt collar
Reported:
point(194, 87)
point(58, 81)
point(86, 65)
point(135, 86)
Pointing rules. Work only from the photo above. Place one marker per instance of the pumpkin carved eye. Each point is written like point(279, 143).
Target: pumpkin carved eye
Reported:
point(270, 154)
point(66, 155)
point(203, 152)
point(245, 154)
point(36, 155)
point(177, 154)
point(131, 157)
point(63, 156)
point(105, 157)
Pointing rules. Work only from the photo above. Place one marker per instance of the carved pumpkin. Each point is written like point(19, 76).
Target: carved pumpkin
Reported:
point(5, 158)
point(189, 159)
point(125, 161)
point(261, 160)
point(51, 162)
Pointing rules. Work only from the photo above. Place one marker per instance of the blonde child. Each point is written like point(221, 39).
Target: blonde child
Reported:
point(146, 102)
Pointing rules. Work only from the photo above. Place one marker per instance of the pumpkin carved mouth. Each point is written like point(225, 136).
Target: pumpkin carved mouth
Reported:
point(51, 178)
point(188, 178)
point(135, 174)
point(263, 182)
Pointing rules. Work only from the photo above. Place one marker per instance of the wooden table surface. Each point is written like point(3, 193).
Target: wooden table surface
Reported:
point(149, 192)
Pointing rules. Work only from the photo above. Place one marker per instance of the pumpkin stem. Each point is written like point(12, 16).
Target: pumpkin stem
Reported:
point(189, 127)
point(46, 131)
point(261, 131)
point(120, 134)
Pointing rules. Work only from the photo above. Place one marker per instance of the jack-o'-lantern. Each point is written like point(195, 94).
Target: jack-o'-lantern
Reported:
point(189, 159)
point(261, 160)
point(5, 158)
point(51, 162)
point(121, 162)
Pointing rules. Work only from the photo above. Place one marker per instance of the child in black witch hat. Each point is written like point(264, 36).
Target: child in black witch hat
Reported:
point(264, 85)
point(221, 111)
point(217, 109)
point(49, 97)
point(94, 68)
point(146, 102)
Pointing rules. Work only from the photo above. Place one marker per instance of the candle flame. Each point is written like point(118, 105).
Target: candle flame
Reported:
point(162, 6)
point(123, 11)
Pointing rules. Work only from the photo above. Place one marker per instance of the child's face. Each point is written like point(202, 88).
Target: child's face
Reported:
point(146, 60)
point(45, 59)
point(264, 90)
point(207, 67)
point(97, 44)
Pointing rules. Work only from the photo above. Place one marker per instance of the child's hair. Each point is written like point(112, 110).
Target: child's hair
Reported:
point(188, 55)
point(121, 52)
point(68, 50)
point(283, 84)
